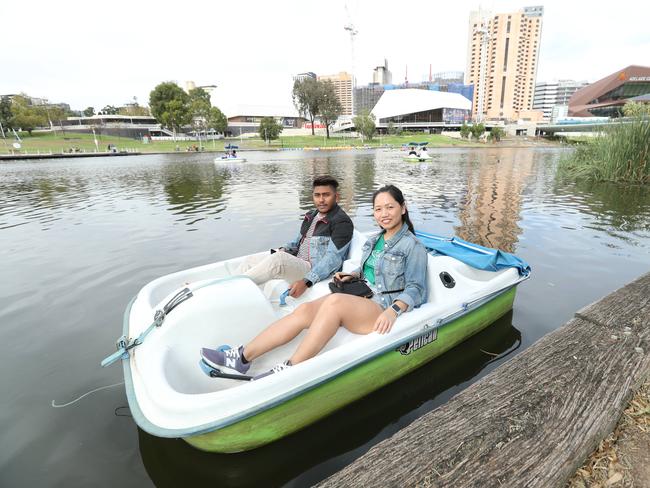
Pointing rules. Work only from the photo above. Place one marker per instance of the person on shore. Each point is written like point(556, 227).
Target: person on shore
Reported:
point(393, 262)
point(316, 253)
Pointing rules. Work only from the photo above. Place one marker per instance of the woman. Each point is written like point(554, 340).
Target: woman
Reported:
point(394, 263)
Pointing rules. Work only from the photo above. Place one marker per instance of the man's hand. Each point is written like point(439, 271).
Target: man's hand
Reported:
point(297, 288)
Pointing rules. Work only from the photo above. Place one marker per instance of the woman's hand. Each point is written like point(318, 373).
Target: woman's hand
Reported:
point(385, 321)
point(339, 276)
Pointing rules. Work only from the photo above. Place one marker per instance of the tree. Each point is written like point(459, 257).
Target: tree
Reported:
point(306, 98)
point(89, 112)
point(217, 120)
point(134, 110)
point(496, 134)
point(200, 106)
point(5, 112)
point(365, 125)
point(393, 130)
point(109, 110)
point(329, 105)
point(465, 131)
point(53, 113)
point(477, 131)
point(633, 109)
point(269, 129)
point(170, 105)
point(25, 116)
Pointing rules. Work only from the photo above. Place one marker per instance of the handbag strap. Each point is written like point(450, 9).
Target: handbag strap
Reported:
point(391, 291)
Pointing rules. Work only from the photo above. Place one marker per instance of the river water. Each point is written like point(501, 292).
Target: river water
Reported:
point(79, 238)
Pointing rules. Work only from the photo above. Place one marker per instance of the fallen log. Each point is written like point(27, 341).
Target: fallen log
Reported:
point(532, 421)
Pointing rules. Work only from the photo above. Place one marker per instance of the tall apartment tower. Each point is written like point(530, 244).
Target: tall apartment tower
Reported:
point(502, 55)
point(343, 86)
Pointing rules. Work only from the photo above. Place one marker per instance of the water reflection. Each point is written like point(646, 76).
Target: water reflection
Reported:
point(491, 206)
point(624, 208)
point(172, 462)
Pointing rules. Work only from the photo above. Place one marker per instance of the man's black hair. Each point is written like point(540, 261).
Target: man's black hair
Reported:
point(326, 180)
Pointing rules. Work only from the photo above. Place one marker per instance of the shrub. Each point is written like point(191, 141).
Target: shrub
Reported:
point(621, 153)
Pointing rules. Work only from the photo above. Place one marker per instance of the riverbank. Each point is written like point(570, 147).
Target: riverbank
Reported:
point(532, 421)
point(43, 144)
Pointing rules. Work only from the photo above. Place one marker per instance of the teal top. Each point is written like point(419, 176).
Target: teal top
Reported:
point(369, 265)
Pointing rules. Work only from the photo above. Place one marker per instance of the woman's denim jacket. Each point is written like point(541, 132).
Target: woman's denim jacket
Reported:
point(401, 265)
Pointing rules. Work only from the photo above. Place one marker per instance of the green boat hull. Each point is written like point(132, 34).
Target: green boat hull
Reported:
point(312, 405)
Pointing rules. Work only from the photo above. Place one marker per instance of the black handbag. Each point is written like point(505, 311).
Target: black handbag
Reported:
point(355, 286)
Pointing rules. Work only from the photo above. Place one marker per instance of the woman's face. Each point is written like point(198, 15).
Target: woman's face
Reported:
point(388, 213)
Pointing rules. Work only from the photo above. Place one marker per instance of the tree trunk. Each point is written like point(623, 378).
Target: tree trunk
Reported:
point(327, 129)
point(532, 421)
point(312, 123)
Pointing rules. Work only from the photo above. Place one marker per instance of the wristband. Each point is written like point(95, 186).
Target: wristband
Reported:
point(396, 308)
point(308, 283)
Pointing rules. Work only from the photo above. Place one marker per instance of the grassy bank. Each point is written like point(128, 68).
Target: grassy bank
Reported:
point(621, 154)
point(42, 142)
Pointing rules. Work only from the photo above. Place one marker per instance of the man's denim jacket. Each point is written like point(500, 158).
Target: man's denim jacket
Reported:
point(329, 245)
point(402, 265)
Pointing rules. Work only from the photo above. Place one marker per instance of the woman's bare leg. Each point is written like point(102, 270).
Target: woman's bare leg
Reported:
point(356, 314)
point(284, 330)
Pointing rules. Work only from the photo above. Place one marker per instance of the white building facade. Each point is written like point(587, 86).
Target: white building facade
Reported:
point(548, 94)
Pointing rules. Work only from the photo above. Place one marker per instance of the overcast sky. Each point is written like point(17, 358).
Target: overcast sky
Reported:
point(96, 54)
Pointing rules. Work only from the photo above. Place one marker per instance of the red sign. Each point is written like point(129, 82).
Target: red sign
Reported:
point(316, 126)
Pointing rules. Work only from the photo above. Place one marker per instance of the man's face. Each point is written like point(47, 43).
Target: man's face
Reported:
point(324, 198)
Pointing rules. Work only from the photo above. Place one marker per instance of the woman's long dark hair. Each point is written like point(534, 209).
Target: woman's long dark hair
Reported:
point(396, 193)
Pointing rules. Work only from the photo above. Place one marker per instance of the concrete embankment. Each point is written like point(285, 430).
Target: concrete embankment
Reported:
point(12, 157)
point(534, 420)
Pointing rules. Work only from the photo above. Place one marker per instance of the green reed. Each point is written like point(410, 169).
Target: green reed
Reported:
point(621, 153)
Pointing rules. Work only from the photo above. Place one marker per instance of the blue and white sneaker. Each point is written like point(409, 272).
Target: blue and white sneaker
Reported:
point(276, 369)
point(227, 360)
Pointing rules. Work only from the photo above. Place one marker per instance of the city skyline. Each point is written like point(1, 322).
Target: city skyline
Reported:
point(74, 56)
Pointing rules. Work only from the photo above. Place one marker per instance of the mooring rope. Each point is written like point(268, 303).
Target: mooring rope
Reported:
point(86, 394)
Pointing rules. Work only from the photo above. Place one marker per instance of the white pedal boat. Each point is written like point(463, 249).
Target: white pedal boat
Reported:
point(171, 396)
point(225, 159)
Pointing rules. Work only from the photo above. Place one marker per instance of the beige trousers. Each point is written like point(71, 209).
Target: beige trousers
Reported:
point(280, 265)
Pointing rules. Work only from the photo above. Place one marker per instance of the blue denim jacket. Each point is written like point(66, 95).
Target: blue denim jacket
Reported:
point(401, 265)
point(329, 245)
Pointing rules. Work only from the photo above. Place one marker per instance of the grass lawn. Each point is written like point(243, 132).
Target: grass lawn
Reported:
point(46, 142)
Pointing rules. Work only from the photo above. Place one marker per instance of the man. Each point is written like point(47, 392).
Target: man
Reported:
point(318, 251)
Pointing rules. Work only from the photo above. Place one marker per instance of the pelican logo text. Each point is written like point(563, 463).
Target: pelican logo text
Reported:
point(418, 342)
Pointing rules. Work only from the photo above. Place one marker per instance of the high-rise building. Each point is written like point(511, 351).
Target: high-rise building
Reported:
point(381, 74)
point(548, 94)
point(304, 76)
point(343, 86)
point(366, 97)
point(502, 55)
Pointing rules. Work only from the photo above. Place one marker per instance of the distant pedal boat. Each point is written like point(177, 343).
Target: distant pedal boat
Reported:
point(413, 158)
point(171, 396)
point(228, 159)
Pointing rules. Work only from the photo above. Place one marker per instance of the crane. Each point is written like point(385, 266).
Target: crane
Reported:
point(349, 27)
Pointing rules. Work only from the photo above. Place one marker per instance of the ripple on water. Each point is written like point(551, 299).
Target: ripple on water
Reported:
point(79, 238)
